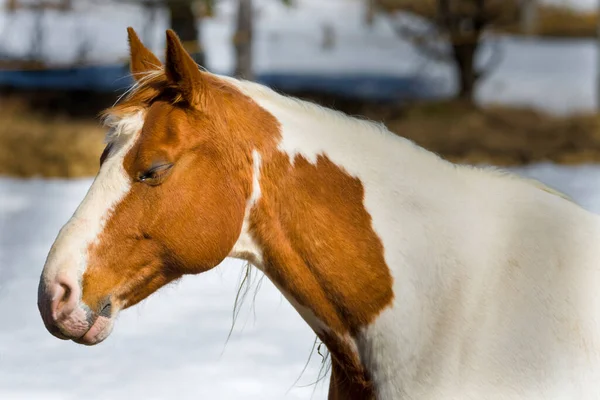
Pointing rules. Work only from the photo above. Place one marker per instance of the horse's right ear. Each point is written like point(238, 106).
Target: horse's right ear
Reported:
point(182, 70)
point(143, 61)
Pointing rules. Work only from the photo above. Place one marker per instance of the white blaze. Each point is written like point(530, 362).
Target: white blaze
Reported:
point(69, 254)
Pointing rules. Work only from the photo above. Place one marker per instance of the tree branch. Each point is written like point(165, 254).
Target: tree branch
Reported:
point(426, 39)
point(493, 62)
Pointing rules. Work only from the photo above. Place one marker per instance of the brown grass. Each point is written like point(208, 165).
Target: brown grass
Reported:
point(556, 21)
point(33, 144)
point(563, 22)
point(499, 135)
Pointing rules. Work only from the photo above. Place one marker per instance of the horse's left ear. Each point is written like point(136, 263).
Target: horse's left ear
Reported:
point(143, 61)
point(182, 70)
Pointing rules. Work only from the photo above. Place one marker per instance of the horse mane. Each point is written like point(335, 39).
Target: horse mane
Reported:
point(255, 90)
point(502, 173)
point(261, 92)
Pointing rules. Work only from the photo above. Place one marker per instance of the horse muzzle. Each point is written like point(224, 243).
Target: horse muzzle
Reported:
point(66, 317)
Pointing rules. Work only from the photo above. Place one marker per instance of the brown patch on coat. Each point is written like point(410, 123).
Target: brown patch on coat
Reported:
point(349, 379)
point(348, 386)
point(318, 242)
point(317, 237)
point(319, 246)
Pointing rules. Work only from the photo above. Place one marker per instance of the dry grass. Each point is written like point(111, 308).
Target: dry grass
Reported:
point(498, 11)
point(556, 21)
point(33, 144)
point(36, 145)
point(563, 22)
point(499, 135)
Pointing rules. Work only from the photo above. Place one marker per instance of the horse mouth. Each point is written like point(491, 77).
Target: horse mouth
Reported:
point(100, 330)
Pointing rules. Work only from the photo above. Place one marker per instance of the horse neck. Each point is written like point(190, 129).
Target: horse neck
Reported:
point(309, 225)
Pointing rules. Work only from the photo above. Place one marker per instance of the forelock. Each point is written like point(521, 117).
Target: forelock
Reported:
point(127, 124)
point(126, 117)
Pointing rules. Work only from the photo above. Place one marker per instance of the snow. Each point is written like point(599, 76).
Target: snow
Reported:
point(170, 346)
point(557, 76)
point(173, 344)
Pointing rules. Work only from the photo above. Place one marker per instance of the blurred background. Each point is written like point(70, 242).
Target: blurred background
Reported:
point(512, 83)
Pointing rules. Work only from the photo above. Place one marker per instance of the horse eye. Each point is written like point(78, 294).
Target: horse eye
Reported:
point(154, 175)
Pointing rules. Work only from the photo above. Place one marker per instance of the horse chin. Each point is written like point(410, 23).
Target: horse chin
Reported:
point(99, 331)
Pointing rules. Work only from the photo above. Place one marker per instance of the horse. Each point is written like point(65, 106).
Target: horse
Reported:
point(425, 279)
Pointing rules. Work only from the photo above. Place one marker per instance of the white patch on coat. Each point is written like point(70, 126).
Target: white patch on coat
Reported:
point(306, 313)
point(246, 247)
point(495, 279)
point(69, 254)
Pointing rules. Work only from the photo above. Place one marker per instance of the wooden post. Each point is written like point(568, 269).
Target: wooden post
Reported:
point(12, 5)
point(598, 58)
point(37, 41)
point(183, 21)
point(243, 40)
point(529, 17)
point(370, 13)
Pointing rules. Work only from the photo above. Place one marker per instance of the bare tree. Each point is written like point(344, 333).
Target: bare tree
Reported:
point(38, 8)
point(528, 16)
point(598, 60)
point(453, 31)
point(242, 40)
point(185, 23)
point(185, 18)
point(370, 11)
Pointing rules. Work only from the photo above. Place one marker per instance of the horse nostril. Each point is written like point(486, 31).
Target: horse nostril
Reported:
point(67, 292)
point(106, 310)
point(63, 297)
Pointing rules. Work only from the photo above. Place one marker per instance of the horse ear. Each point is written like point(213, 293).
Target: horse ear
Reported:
point(182, 70)
point(142, 59)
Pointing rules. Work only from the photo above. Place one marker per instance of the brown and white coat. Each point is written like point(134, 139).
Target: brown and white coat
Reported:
point(425, 280)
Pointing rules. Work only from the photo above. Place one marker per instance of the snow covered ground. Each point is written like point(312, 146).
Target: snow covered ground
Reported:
point(172, 345)
point(553, 75)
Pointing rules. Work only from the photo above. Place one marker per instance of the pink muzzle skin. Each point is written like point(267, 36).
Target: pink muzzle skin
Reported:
point(99, 331)
point(67, 318)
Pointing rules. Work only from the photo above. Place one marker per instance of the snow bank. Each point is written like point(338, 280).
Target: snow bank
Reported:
point(170, 346)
